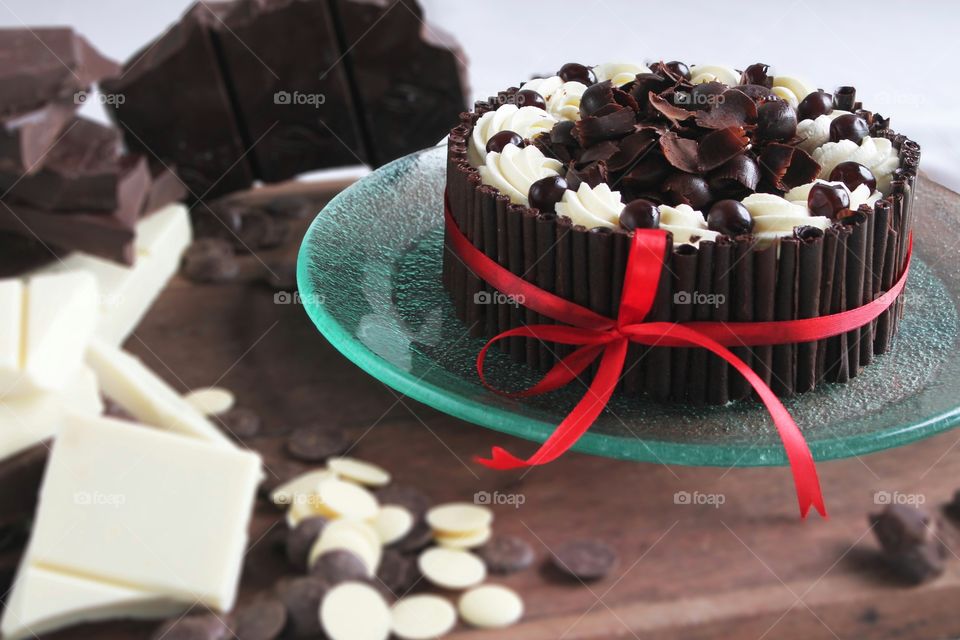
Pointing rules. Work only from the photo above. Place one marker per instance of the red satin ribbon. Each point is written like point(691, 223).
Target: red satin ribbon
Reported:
point(599, 336)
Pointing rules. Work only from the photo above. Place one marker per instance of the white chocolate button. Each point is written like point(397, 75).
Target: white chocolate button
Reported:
point(359, 471)
point(351, 535)
point(468, 541)
point(304, 506)
point(355, 611)
point(339, 499)
point(392, 523)
point(211, 401)
point(303, 485)
point(451, 568)
point(490, 606)
point(423, 617)
point(459, 518)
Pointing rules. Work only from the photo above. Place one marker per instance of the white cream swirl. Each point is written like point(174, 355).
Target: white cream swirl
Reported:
point(791, 90)
point(546, 87)
point(514, 170)
point(687, 225)
point(714, 73)
point(591, 207)
point(876, 154)
point(525, 121)
point(816, 132)
point(619, 73)
point(564, 103)
point(776, 217)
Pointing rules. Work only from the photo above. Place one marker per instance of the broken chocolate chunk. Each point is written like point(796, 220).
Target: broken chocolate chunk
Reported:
point(25, 138)
point(910, 542)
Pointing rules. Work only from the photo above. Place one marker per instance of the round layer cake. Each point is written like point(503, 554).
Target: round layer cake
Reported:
point(782, 201)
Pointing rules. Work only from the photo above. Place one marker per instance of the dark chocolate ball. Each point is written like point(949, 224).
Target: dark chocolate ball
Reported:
point(595, 98)
point(729, 217)
point(686, 188)
point(854, 174)
point(758, 93)
point(849, 126)
point(530, 98)
point(776, 120)
point(575, 72)
point(827, 199)
point(501, 139)
point(545, 193)
point(678, 68)
point(640, 214)
point(815, 105)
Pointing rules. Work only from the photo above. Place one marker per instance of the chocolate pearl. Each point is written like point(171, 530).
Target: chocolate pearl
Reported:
point(686, 188)
point(816, 104)
point(827, 199)
point(545, 193)
point(853, 174)
point(757, 74)
point(501, 139)
point(640, 214)
point(776, 121)
point(849, 126)
point(530, 98)
point(595, 98)
point(575, 72)
point(679, 69)
point(729, 217)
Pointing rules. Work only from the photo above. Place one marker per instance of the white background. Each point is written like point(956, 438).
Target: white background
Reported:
point(902, 56)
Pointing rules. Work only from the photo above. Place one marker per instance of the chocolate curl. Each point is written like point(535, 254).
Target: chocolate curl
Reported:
point(742, 307)
point(530, 258)
point(785, 167)
point(866, 331)
point(684, 266)
point(657, 362)
point(717, 147)
point(855, 273)
point(593, 129)
point(674, 114)
point(785, 308)
point(718, 387)
point(836, 362)
point(828, 276)
point(600, 151)
point(844, 98)
point(736, 109)
point(631, 149)
point(682, 153)
point(764, 301)
point(808, 306)
point(698, 370)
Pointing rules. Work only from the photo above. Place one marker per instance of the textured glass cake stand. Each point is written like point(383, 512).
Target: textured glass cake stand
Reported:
point(369, 275)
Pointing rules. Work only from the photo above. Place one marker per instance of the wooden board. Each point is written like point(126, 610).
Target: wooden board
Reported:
point(746, 569)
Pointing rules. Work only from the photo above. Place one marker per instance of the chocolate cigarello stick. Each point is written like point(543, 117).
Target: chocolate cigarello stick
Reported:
point(503, 259)
point(882, 341)
point(488, 226)
point(900, 210)
point(515, 264)
point(564, 269)
point(827, 279)
point(684, 265)
point(475, 310)
point(546, 229)
point(866, 331)
point(621, 251)
point(717, 388)
point(881, 223)
point(785, 355)
point(742, 310)
point(657, 379)
point(599, 272)
point(837, 345)
point(530, 256)
point(699, 362)
point(808, 306)
point(856, 256)
point(765, 279)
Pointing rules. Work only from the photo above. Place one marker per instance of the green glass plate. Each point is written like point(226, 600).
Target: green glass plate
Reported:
point(369, 276)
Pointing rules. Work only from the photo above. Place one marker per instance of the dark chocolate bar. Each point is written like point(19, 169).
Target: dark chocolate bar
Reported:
point(165, 188)
point(25, 138)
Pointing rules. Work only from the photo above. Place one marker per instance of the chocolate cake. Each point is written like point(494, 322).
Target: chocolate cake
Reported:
point(782, 201)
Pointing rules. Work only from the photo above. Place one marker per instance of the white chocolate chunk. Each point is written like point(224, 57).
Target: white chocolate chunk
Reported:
point(357, 537)
point(125, 380)
point(491, 606)
point(459, 518)
point(153, 510)
point(43, 601)
point(11, 332)
point(423, 617)
point(467, 541)
point(300, 488)
point(359, 471)
point(392, 523)
point(340, 499)
point(451, 568)
point(355, 611)
point(211, 401)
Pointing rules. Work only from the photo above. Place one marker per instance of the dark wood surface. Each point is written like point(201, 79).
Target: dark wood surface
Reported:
point(747, 569)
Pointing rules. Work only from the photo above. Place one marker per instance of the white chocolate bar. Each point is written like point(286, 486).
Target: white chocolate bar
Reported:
point(125, 505)
point(126, 381)
point(11, 329)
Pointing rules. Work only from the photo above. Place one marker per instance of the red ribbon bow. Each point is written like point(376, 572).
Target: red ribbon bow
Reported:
point(599, 336)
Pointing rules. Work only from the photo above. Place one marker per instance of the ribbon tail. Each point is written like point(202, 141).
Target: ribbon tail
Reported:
point(577, 422)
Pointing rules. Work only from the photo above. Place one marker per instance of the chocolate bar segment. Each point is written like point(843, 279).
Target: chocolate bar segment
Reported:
point(290, 88)
point(25, 138)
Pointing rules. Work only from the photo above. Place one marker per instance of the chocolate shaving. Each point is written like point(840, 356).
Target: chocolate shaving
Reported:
point(631, 149)
point(592, 174)
point(757, 74)
point(682, 153)
point(590, 131)
point(785, 167)
point(735, 178)
point(674, 114)
point(733, 109)
point(601, 151)
point(647, 172)
point(647, 83)
point(720, 146)
point(803, 169)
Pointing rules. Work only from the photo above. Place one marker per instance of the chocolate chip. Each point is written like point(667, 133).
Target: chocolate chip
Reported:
point(210, 261)
point(302, 598)
point(241, 422)
point(900, 527)
point(196, 627)
point(339, 565)
point(301, 538)
point(585, 559)
point(418, 538)
point(280, 275)
point(397, 572)
point(316, 444)
point(919, 564)
point(262, 619)
point(506, 554)
point(411, 498)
